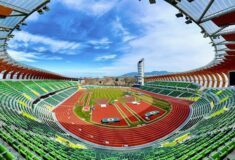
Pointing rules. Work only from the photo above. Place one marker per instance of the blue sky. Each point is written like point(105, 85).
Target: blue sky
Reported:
point(106, 38)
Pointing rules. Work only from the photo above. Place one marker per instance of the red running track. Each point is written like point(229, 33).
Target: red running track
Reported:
point(129, 115)
point(119, 137)
point(107, 112)
point(143, 108)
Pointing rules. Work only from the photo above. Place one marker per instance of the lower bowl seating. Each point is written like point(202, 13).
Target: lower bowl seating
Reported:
point(29, 131)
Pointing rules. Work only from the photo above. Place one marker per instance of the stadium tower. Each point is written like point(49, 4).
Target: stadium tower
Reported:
point(140, 76)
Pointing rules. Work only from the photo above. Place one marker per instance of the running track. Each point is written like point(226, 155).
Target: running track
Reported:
point(119, 137)
point(108, 112)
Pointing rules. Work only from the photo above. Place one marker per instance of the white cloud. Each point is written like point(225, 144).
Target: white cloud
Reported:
point(105, 57)
point(82, 73)
point(120, 30)
point(163, 54)
point(167, 43)
point(54, 45)
point(53, 58)
point(22, 56)
point(103, 43)
point(40, 49)
point(91, 7)
point(30, 57)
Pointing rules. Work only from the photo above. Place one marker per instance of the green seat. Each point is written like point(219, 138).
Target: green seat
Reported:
point(2, 149)
point(5, 153)
point(215, 156)
point(8, 156)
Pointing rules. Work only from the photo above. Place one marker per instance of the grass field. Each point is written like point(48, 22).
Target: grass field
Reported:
point(85, 115)
point(110, 94)
point(155, 102)
point(115, 97)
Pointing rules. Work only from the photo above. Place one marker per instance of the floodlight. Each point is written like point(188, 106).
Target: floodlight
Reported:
point(46, 8)
point(18, 28)
point(178, 15)
point(40, 11)
point(188, 21)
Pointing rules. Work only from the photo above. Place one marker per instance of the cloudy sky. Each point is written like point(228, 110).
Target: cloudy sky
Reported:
point(103, 37)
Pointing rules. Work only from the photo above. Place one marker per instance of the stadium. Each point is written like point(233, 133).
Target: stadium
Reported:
point(178, 115)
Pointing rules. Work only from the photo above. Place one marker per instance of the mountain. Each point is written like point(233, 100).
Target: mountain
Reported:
point(153, 73)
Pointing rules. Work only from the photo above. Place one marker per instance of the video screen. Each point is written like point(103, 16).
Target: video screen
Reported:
point(232, 78)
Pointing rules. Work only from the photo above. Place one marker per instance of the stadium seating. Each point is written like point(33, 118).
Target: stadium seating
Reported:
point(171, 84)
point(5, 154)
point(208, 102)
point(214, 145)
point(17, 100)
point(174, 89)
point(28, 130)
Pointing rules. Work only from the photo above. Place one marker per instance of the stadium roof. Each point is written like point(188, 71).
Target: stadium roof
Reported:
point(215, 18)
point(12, 16)
point(211, 16)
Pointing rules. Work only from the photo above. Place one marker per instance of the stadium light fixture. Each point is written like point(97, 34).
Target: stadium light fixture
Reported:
point(178, 15)
point(40, 11)
point(215, 37)
point(205, 35)
point(46, 8)
point(151, 1)
point(18, 28)
point(174, 2)
point(188, 20)
point(24, 24)
point(11, 36)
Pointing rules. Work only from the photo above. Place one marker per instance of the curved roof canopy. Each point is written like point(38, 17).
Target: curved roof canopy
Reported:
point(216, 19)
point(12, 16)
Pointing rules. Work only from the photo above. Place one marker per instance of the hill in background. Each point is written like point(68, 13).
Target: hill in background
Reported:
point(153, 73)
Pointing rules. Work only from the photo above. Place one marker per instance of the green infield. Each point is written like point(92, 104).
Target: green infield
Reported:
point(95, 96)
point(110, 94)
point(84, 115)
point(153, 101)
